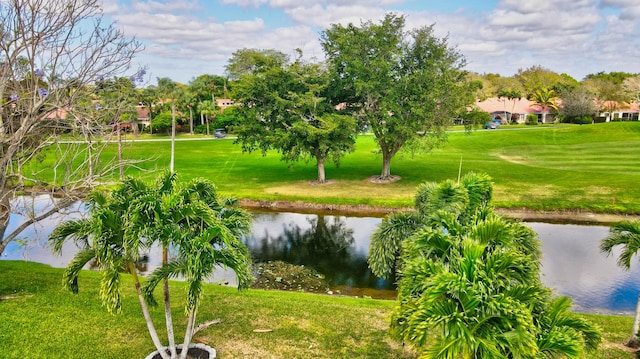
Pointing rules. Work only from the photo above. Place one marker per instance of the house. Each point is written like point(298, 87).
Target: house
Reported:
point(618, 111)
point(515, 110)
point(143, 115)
point(224, 103)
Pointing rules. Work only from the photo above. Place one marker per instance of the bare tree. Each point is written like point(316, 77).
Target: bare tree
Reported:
point(52, 52)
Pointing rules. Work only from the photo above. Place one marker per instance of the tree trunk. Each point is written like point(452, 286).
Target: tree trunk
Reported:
point(90, 159)
point(386, 165)
point(173, 136)
point(167, 306)
point(5, 214)
point(120, 157)
point(145, 313)
point(207, 117)
point(136, 129)
point(190, 120)
point(321, 175)
point(189, 332)
point(633, 341)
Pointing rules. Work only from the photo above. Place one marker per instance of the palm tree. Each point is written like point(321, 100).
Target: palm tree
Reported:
point(167, 211)
point(626, 235)
point(203, 228)
point(198, 257)
point(463, 198)
point(469, 281)
point(468, 301)
point(545, 98)
point(207, 109)
point(101, 237)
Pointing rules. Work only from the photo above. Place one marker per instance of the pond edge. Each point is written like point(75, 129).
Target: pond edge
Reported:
point(362, 210)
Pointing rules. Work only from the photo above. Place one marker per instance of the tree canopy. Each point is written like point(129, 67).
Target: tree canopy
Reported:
point(248, 61)
point(405, 85)
point(281, 106)
point(52, 53)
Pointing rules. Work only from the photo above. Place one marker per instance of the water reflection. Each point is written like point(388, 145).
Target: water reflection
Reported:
point(573, 265)
point(337, 246)
point(333, 245)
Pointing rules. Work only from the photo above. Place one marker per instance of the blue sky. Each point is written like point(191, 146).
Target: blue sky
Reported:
point(187, 38)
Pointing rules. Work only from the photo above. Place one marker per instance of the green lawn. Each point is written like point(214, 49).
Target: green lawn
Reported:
point(38, 319)
point(565, 167)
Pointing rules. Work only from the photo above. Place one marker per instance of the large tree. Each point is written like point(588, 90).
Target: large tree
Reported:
point(578, 106)
point(631, 86)
point(536, 78)
point(51, 54)
point(249, 61)
point(281, 106)
point(407, 86)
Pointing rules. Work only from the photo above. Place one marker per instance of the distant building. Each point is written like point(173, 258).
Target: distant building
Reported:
point(143, 115)
point(224, 103)
point(516, 110)
point(617, 111)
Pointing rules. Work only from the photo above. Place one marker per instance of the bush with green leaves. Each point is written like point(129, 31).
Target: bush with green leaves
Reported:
point(475, 118)
point(227, 119)
point(469, 280)
point(532, 120)
point(162, 122)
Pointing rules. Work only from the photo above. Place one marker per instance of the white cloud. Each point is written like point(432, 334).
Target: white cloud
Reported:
point(573, 36)
point(324, 16)
point(168, 6)
point(245, 3)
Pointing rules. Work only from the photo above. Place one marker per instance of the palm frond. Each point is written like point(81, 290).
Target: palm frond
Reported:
point(479, 188)
point(70, 276)
point(174, 268)
point(110, 286)
point(75, 230)
point(625, 234)
point(387, 239)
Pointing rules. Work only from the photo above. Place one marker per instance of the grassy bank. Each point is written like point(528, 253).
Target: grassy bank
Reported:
point(564, 167)
point(40, 320)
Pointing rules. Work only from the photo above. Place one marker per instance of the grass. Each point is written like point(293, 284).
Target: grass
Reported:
point(563, 167)
point(592, 167)
point(41, 320)
point(38, 319)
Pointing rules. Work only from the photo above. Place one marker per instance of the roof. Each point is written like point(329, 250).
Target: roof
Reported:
point(503, 104)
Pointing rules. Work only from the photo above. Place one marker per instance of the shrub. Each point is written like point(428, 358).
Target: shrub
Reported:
point(202, 129)
point(532, 120)
point(227, 120)
point(475, 118)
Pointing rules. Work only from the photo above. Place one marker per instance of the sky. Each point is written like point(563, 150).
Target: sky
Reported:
point(187, 38)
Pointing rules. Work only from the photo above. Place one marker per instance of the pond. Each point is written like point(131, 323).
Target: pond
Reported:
point(337, 246)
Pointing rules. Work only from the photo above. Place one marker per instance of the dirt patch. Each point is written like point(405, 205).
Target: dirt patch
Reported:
point(279, 275)
point(13, 296)
point(390, 179)
point(519, 160)
point(621, 347)
point(325, 183)
point(319, 208)
point(566, 216)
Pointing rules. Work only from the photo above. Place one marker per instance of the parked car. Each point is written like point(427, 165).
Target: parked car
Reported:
point(220, 133)
point(493, 124)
